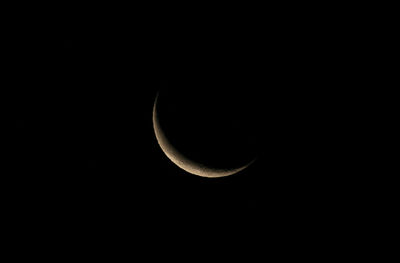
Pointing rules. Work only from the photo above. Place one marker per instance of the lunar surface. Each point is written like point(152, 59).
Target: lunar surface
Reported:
point(182, 160)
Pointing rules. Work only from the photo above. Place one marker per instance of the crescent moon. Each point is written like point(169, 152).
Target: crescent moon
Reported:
point(182, 161)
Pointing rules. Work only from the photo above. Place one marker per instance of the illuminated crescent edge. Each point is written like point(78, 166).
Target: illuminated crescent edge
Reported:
point(183, 162)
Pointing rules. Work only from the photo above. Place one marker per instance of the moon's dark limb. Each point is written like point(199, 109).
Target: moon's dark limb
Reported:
point(199, 144)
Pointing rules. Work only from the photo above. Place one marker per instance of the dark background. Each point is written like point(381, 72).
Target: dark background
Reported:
point(85, 161)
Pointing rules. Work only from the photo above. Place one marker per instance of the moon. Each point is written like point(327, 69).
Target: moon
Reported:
point(183, 162)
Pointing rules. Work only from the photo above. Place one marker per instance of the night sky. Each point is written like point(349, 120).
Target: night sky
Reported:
point(86, 161)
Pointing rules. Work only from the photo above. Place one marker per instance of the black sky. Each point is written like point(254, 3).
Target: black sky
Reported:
point(85, 156)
